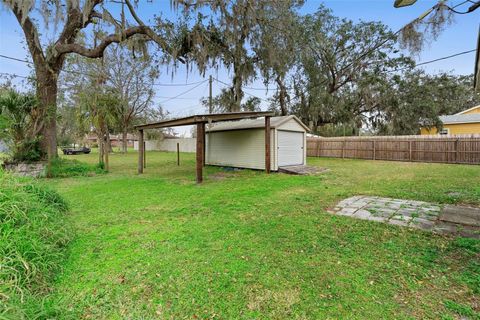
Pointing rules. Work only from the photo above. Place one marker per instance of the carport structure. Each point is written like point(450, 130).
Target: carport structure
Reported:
point(200, 121)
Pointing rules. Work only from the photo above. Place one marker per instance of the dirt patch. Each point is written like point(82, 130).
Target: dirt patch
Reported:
point(278, 303)
point(302, 170)
point(218, 176)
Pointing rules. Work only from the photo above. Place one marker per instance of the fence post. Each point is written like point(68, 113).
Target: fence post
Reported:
point(318, 148)
point(410, 150)
point(178, 154)
point(373, 149)
point(343, 148)
point(144, 154)
point(456, 151)
point(140, 151)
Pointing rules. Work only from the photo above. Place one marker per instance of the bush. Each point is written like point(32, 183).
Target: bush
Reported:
point(63, 168)
point(17, 125)
point(27, 151)
point(33, 239)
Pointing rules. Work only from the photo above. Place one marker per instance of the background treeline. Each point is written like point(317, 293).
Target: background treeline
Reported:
point(340, 77)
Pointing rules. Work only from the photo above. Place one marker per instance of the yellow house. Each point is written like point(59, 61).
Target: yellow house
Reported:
point(465, 122)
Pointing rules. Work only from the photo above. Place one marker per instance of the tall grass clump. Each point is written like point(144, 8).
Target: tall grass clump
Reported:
point(64, 168)
point(33, 239)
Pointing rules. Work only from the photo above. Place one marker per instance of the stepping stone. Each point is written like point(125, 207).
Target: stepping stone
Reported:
point(457, 220)
point(462, 215)
point(422, 224)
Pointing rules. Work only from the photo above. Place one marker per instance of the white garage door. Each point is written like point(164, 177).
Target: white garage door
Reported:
point(290, 148)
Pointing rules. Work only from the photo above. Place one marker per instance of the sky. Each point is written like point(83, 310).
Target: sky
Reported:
point(459, 37)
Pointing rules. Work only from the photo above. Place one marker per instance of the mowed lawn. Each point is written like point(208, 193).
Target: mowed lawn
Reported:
point(246, 245)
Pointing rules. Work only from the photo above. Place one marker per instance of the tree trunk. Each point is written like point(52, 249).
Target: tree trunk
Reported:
point(282, 96)
point(100, 148)
point(124, 140)
point(106, 152)
point(237, 89)
point(108, 142)
point(47, 96)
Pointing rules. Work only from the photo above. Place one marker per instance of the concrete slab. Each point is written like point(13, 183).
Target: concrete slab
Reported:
point(457, 220)
point(461, 215)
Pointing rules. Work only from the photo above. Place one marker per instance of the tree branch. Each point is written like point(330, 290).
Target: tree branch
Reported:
point(148, 31)
point(76, 20)
point(31, 35)
point(97, 52)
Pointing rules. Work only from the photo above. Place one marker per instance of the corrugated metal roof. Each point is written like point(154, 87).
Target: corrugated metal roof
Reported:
point(252, 123)
point(461, 118)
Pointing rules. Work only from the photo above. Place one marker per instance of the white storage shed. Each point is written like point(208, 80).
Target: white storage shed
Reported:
point(241, 143)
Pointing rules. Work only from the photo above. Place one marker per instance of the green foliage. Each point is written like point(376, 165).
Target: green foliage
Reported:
point(225, 102)
point(33, 237)
point(338, 77)
point(416, 99)
point(19, 125)
point(62, 168)
point(28, 150)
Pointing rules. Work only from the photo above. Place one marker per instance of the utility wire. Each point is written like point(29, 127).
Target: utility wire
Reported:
point(472, 8)
point(224, 83)
point(178, 84)
point(185, 92)
point(15, 75)
point(90, 75)
point(265, 89)
point(436, 60)
point(461, 3)
point(15, 59)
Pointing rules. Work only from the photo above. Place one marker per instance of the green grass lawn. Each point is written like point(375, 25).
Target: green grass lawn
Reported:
point(246, 245)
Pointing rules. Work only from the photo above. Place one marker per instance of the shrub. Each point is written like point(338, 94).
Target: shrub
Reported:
point(33, 239)
point(62, 168)
point(18, 119)
point(28, 150)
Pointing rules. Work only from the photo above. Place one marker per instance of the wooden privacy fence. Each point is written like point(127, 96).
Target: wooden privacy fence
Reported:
point(443, 149)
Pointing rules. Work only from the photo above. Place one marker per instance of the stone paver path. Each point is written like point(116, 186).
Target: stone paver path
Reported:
point(410, 213)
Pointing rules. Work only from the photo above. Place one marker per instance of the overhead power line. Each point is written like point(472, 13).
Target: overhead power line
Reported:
point(90, 75)
point(224, 83)
point(185, 92)
point(436, 60)
point(15, 75)
point(178, 84)
point(15, 59)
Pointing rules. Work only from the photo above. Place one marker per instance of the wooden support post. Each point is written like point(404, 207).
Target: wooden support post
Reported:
point(267, 144)
point(140, 151)
point(343, 149)
point(144, 154)
point(204, 146)
point(374, 151)
point(178, 154)
point(199, 155)
point(318, 148)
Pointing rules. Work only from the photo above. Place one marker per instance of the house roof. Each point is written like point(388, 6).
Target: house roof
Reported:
point(465, 111)
point(461, 118)
point(254, 123)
